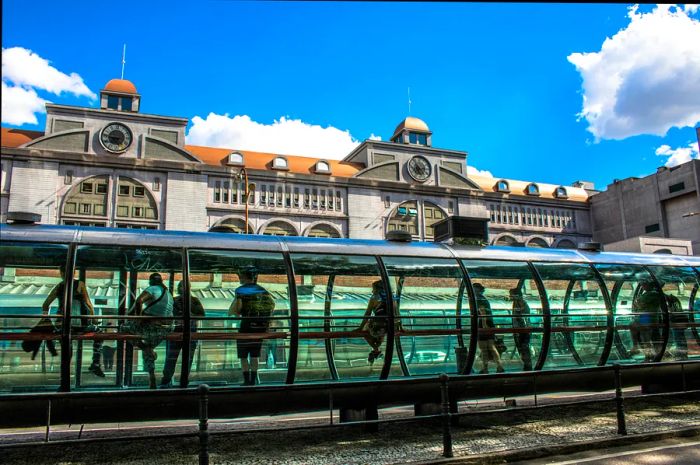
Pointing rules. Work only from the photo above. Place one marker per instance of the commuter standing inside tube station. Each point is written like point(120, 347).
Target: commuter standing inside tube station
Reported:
point(375, 320)
point(154, 301)
point(487, 342)
point(81, 306)
point(254, 305)
point(173, 348)
point(521, 311)
point(646, 307)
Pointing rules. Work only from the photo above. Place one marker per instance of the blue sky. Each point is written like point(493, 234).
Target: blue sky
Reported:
point(490, 79)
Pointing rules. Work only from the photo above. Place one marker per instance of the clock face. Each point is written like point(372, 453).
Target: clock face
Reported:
point(116, 138)
point(419, 168)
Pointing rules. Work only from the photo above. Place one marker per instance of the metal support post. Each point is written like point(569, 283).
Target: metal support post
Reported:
point(619, 402)
point(446, 417)
point(48, 421)
point(203, 424)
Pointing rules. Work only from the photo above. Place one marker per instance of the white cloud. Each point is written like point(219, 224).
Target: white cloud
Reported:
point(477, 172)
point(20, 106)
point(283, 136)
point(691, 9)
point(373, 137)
point(679, 155)
point(644, 80)
point(26, 69)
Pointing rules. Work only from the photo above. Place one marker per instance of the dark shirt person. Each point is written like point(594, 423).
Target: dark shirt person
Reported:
point(521, 311)
point(374, 320)
point(679, 323)
point(254, 304)
point(486, 341)
point(81, 307)
point(646, 306)
point(173, 348)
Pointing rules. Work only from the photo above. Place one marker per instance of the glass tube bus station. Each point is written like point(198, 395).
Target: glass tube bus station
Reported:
point(582, 308)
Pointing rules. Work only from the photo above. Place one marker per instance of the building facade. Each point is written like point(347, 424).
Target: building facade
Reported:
point(114, 166)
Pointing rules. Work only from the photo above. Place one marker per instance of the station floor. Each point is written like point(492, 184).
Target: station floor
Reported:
point(247, 441)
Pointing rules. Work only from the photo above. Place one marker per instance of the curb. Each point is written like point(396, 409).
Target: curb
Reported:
point(562, 449)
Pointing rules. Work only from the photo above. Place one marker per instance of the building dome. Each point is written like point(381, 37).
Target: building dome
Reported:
point(412, 124)
point(120, 85)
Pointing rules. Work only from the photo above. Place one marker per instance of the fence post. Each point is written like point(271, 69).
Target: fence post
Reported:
point(619, 402)
point(48, 421)
point(203, 424)
point(446, 420)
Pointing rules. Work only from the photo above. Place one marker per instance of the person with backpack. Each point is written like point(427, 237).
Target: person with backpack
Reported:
point(157, 302)
point(81, 310)
point(376, 327)
point(254, 305)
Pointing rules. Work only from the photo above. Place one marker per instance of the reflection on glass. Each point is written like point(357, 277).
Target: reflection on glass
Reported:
point(131, 289)
point(337, 337)
point(428, 292)
point(680, 288)
point(516, 314)
point(637, 304)
point(579, 316)
point(29, 272)
point(245, 336)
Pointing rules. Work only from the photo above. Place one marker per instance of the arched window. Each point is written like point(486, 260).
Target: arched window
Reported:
point(322, 167)
point(431, 215)
point(537, 242)
point(323, 230)
point(566, 244)
point(561, 192)
point(280, 163)
point(235, 225)
point(280, 228)
point(663, 251)
point(506, 241)
point(235, 159)
point(532, 189)
point(86, 203)
point(502, 186)
point(404, 218)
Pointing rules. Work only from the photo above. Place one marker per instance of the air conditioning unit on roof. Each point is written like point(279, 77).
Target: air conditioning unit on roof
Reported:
point(462, 230)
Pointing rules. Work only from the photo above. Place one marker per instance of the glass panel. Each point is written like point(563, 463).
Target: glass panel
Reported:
point(30, 353)
point(113, 102)
point(245, 297)
point(126, 103)
point(352, 323)
point(131, 292)
point(638, 315)
point(510, 293)
point(579, 315)
point(428, 292)
point(680, 285)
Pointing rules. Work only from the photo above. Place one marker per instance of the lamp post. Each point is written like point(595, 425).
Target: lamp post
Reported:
point(242, 175)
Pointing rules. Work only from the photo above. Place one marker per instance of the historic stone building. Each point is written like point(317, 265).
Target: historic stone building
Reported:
point(114, 166)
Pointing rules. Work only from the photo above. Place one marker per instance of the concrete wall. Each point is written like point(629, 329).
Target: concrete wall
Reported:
point(33, 189)
point(186, 208)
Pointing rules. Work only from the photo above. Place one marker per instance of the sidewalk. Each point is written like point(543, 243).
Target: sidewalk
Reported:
point(480, 438)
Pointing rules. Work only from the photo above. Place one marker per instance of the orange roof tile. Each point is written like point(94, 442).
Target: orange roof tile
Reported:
point(16, 137)
point(547, 191)
point(263, 161)
point(121, 85)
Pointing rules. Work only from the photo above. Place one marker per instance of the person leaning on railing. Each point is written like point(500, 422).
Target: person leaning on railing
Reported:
point(80, 308)
point(155, 301)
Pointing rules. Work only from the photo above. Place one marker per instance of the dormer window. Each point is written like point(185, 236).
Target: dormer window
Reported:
point(322, 167)
point(561, 193)
point(502, 186)
point(280, 163)
point(532, 189)
point(418, 139)
point(235, 159)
